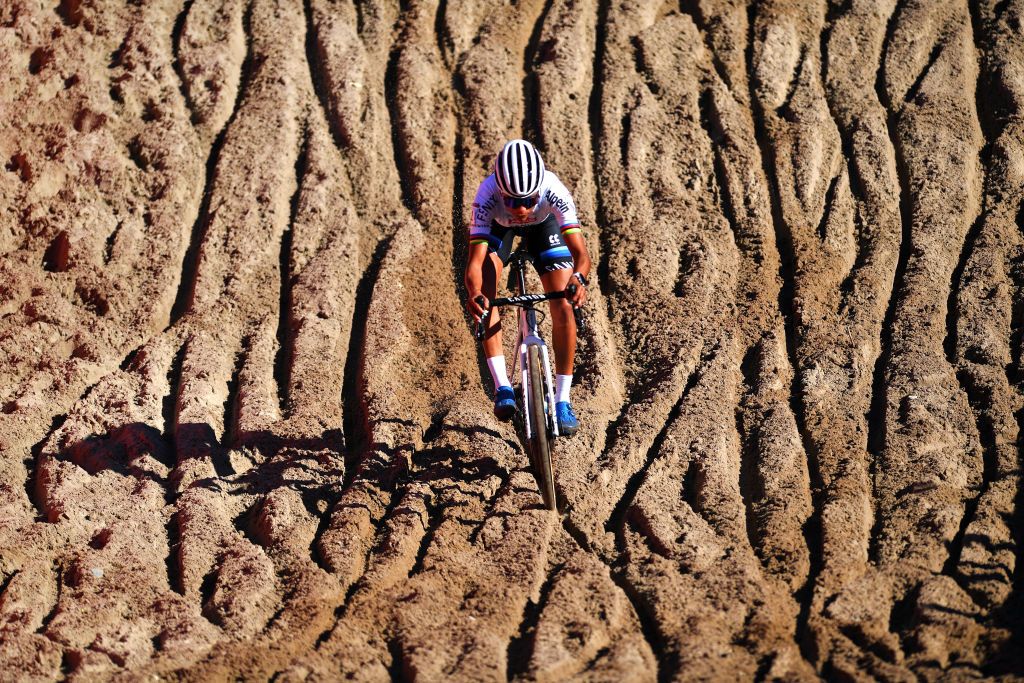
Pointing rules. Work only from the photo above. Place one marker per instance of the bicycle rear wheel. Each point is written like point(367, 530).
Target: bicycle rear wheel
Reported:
point(540, 444)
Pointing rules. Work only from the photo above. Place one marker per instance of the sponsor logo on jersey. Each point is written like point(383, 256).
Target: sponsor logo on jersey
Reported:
point(483, 212)
point(556, 201)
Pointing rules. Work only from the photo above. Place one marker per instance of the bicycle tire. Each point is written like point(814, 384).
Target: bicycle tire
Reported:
point(540, 444)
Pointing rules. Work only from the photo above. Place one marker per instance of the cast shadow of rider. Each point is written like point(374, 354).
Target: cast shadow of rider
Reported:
point(308, 464)
point(312, 465)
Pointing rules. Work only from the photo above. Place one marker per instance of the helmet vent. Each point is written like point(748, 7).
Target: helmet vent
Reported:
point(518, 169)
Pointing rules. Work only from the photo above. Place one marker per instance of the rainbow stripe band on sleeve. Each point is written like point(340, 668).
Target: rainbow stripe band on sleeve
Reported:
point(478, 241)
point(571, 229)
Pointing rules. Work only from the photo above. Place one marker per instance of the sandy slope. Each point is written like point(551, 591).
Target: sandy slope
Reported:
point(243, 432)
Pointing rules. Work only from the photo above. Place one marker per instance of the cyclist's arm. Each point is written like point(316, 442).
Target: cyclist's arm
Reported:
point(581, 260)
point(474, 277)
point(578, 249)
point(564, 207)
point(479, 219)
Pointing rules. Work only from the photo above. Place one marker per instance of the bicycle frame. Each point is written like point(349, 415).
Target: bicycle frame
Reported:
point(528, 335)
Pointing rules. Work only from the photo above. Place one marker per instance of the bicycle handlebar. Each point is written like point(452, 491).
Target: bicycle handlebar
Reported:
point(526, 299)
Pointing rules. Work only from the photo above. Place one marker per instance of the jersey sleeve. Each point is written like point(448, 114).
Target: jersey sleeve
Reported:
point(563, 207)
point(482, 212)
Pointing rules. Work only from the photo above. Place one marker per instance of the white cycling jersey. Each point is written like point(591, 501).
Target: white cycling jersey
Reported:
point(488, 207)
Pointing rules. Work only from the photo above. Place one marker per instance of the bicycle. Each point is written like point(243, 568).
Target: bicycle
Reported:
point(535, 394)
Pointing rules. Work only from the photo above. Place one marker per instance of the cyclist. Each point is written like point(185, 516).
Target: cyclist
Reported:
point(522, 198)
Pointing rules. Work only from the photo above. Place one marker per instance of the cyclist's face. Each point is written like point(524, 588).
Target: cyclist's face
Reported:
point(521, 207)
point(520, 213)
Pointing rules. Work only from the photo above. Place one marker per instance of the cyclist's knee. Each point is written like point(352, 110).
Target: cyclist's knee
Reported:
point(561, 312)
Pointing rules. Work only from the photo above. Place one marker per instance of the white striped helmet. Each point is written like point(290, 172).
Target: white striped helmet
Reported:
point(518, 169)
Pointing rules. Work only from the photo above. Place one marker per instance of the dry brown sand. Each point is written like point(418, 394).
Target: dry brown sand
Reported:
point(243, 427)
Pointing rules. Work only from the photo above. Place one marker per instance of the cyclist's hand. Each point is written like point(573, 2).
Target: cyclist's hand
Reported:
point(474, 307)
point(580, 297)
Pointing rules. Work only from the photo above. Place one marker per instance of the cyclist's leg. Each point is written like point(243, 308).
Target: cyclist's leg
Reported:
point(563, 325)
point(500, 241)
point(554, 264)
point(492, 273)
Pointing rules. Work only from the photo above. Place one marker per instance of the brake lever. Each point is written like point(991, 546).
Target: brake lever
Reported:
point(581, 323)
point(482, 325)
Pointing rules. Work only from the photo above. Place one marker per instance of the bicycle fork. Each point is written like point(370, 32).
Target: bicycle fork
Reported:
point(528, 336)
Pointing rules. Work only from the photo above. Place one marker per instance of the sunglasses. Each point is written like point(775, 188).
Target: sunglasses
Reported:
point(521, 202)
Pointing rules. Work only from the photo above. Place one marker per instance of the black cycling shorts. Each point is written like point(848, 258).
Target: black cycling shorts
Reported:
point(544, 243)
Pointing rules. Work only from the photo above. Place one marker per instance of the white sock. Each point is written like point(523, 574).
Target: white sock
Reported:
point(563, 383)
point(496, 364)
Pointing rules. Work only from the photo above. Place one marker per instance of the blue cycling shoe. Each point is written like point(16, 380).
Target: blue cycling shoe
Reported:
point(567, 422)
point(504, 403)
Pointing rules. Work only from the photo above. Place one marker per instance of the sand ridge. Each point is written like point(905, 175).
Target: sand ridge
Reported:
point(243, 432)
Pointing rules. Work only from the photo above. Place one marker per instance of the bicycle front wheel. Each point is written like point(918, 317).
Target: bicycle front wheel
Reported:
point(540, 444)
